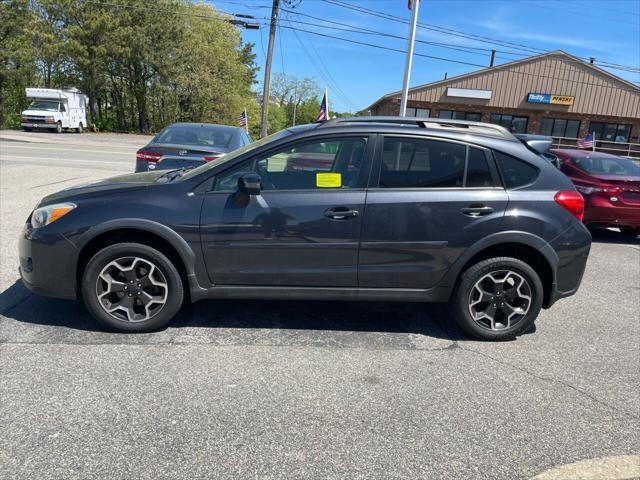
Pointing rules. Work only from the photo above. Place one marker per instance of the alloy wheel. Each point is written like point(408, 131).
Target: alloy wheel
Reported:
point(500, 299)
point(132, 289)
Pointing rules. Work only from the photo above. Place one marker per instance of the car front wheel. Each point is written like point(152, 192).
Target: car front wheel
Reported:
point(497, 299)
point(132, 287)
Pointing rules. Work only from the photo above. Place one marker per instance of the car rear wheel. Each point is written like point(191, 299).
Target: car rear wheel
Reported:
point(80, 128)
point(132, 287)
point(497, 299)
point(631, 232)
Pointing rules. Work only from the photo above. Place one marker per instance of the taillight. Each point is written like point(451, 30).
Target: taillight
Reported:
point(211, 158)
point(571, 201)
point(602, 188)
point(148, 156)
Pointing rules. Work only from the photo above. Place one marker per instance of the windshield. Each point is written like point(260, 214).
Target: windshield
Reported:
point(201, 135)
point(608, 166)
point(48, 105)
point(242, 150)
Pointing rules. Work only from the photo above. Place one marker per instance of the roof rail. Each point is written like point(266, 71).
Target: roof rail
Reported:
point(488, 129)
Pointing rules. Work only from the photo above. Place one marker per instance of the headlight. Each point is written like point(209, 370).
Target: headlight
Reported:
point(49, 119)
point(45, 215)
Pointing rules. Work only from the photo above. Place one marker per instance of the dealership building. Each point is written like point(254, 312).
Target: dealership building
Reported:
point(553, 94)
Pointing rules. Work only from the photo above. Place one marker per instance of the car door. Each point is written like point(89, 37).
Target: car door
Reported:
point(429, 199)
point(304, 227)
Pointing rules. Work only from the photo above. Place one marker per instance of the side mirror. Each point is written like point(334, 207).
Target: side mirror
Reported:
point(250, 184)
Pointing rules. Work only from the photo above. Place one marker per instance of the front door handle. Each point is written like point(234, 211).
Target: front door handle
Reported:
point(340, 213)
point(476, 210)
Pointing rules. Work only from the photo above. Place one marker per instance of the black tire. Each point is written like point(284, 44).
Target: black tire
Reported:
point(170, 275)
point(80, 128)
point(26, 129)
point(630, 232)
point(461, 298)
point(59, 127)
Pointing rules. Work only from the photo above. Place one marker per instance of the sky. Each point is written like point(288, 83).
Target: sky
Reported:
point(357, 75)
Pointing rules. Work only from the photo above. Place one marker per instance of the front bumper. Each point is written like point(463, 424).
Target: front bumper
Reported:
point(44, 126)
point(47, 262)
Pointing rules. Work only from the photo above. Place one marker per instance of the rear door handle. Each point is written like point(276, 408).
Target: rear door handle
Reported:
point(476, 210)
point(340, 213)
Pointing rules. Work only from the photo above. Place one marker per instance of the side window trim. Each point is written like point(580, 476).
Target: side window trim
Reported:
point(362, 177)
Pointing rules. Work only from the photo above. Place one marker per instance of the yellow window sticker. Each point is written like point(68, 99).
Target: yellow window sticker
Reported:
point(328, 180)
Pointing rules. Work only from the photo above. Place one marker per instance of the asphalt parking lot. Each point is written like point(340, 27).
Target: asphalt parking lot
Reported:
point(255, 389)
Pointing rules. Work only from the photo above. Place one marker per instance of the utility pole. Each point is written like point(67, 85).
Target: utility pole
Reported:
point(407, 68)
point(267, 68)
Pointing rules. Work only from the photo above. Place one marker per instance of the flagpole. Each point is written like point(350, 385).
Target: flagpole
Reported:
point(326, 97)
point(593, 137)
point(407, 67)
point(246, 121)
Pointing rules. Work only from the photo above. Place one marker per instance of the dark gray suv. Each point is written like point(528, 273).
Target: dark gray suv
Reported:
point(368, 208)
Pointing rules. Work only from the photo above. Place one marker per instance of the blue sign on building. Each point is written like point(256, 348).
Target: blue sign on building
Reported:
point(539, 98)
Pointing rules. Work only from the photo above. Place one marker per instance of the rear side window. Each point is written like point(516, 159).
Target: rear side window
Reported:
point(424, 163)
point(418, 163)
point(515, 173)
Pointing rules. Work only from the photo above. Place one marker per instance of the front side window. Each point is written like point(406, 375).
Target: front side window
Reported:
point(610, 132)
point(317, 164)
point(513, 123)
point(515, 173)
point(424, 163)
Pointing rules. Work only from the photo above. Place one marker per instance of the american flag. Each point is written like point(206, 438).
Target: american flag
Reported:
point(242, 119)
point(323, 113)
point(586, 142)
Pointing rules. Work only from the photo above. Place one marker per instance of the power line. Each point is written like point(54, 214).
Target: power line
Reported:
point(382, 47)
point(457, 33)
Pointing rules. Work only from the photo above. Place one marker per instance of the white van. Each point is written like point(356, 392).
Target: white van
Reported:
point(55, 109)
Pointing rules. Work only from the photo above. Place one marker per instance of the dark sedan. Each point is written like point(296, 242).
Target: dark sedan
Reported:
point(189, 145)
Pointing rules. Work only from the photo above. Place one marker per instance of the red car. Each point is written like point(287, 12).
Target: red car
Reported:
point(610, 186)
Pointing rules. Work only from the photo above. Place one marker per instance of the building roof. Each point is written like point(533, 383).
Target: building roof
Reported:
point(509, 67)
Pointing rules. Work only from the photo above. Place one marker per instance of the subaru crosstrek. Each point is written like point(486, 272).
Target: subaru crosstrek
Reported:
point(412, 210)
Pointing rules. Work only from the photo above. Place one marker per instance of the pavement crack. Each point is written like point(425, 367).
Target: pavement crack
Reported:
point(553, 380)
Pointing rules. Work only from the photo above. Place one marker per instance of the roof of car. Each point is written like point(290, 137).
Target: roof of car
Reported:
point(577, 153)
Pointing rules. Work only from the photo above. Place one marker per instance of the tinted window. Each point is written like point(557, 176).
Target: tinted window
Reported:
point(515, 173)
point(326, 163)
point(201, 135)
point(418, 163)
point(478, 173)
point(62, 109)
point(608, 166)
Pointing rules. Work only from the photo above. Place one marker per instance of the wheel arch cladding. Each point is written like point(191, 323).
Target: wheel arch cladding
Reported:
point(173, 246)
point(526, 247)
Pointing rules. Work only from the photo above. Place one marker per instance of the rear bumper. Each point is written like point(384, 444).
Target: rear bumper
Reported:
point(601, 211)
point(572, 249)
point(168, 164)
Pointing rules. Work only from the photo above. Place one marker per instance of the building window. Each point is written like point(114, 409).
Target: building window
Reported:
point(512, 123)
point(610, 132)
point(455, 115)
point(418, 112)
point(559, 127)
